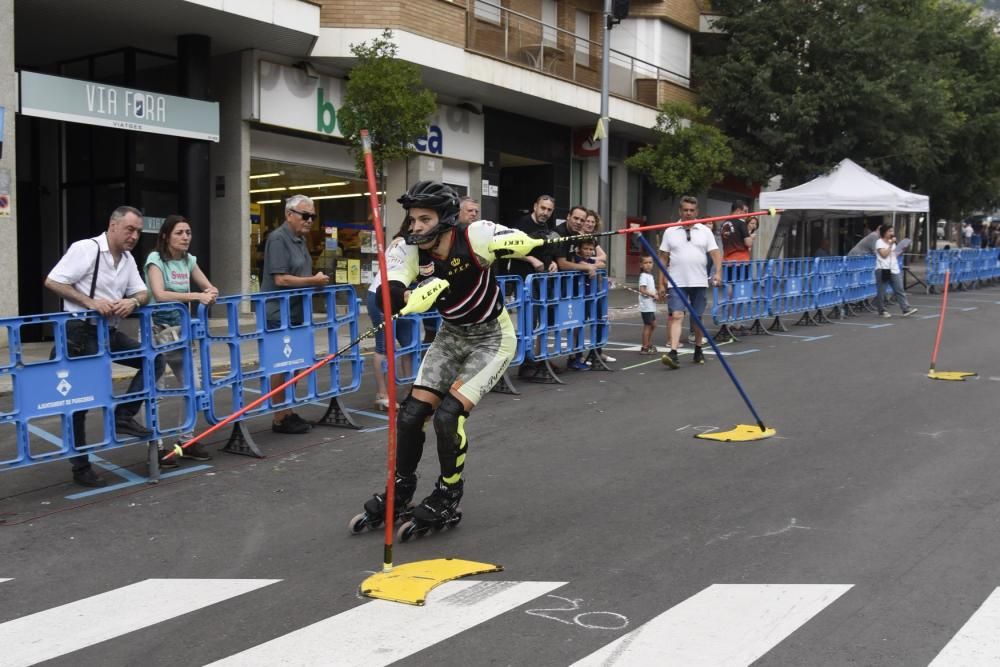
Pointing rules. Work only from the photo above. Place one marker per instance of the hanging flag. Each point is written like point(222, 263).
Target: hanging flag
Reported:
point(600, 132)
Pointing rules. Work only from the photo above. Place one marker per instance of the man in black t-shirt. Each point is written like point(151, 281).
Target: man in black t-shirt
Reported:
point(536, 225)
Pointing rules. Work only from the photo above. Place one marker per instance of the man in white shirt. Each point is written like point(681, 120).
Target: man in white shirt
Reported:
point(683, 251)
point(114, 291)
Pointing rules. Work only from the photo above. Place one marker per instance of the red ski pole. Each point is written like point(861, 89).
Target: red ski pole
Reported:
point(390, 349)
point(940, 327)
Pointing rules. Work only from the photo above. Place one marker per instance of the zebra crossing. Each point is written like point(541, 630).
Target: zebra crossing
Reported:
point(722, 625)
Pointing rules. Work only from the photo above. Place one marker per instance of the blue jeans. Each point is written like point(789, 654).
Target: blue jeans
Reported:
point(896, 280)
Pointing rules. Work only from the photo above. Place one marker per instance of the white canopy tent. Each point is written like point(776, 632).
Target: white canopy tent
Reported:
point(847, 191)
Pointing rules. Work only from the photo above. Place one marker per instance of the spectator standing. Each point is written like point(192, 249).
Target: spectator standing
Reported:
point(887, 270)
point(403, 332)
point(683, 250)
point(592, 225)
point(824, 248)
point(170, 271)
point(584, 255)
point(647, 304)
point(100, 274)
point(866, 246)
point(288, 265)
point(737, 238)
point(538, 225)
point(967, 233)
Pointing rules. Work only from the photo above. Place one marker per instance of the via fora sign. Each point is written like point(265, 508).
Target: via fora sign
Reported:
point(292, 98)
point(119, 107)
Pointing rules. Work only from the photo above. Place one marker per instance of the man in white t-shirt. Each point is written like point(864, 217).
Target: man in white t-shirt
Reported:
point(114, 292)
point(683, 251)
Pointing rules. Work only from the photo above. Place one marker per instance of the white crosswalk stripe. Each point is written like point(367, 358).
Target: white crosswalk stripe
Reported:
point(978, 642)
point(351, 636)
point(722, 625)
point(71, 627)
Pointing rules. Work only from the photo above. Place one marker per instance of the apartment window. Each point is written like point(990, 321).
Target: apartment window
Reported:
point(582, 38)
point(550, 12)
point(655, 42)
point(487, 11)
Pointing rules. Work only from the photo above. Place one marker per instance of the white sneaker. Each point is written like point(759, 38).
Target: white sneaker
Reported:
point(886, 314)
point(608, 359)
point(909, 311)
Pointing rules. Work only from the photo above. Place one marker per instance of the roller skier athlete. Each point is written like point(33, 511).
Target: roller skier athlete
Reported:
point(473, 348)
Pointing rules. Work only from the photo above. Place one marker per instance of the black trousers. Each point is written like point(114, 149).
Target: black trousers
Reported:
point(81, 338)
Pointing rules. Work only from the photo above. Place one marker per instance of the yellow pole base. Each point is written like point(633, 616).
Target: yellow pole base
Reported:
point(956, 376)
point(411, 582)
point(740, 433)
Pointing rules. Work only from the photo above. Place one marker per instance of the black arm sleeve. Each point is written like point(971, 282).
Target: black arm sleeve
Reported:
point(396, 290)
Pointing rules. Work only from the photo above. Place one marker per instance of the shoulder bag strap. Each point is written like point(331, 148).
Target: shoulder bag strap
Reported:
point(97, 267)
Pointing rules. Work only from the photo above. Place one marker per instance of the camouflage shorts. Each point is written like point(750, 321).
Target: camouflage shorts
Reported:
point(468, 359)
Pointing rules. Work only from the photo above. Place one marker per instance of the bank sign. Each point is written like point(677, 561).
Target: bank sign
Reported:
point(123, 108)
point(291, 98)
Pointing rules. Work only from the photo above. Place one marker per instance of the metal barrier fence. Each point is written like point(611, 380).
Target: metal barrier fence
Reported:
point(50, 397)
point(284, 333)
point(969, 267)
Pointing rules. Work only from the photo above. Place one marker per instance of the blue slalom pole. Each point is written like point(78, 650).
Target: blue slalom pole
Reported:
point(701, 327)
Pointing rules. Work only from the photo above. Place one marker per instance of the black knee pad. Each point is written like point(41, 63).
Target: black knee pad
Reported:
point(452, 443)
point(410, 420)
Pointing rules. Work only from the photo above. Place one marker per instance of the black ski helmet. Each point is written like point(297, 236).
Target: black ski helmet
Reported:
point(436, 196)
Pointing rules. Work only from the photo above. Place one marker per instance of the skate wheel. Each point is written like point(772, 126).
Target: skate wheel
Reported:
point(357, 524)
point(406, 531)
point(458, 519)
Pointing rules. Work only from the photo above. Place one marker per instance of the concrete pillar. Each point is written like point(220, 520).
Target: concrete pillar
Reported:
point(8, 173)
point(229, 178)
point(193, 68)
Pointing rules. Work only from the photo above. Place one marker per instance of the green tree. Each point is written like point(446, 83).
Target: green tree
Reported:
point(384, 95)
point(908, 88)
point(689, 155)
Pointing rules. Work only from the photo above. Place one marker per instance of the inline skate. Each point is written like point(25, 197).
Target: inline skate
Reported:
point(438, 511)
point(374, 514)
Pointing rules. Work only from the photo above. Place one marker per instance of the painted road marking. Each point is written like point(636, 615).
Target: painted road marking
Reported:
point(862, 324)
point(978, 642)
point(451, 608)
point(725, 624)
point(805, 339)
point(71, 627)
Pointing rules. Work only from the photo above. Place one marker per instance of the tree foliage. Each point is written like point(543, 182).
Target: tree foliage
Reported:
point(385, 96)
point(908, 88)
point(690, 153)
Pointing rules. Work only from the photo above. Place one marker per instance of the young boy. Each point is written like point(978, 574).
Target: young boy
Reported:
point(586, 251)
point(647, 304)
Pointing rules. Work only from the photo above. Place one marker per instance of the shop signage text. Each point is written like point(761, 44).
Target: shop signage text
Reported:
point(93, 103)
point(453, 133)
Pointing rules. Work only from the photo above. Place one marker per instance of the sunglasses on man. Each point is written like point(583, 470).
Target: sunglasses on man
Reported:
point(303, 214)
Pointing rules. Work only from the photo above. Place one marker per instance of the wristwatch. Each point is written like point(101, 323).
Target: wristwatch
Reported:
point(136, 301)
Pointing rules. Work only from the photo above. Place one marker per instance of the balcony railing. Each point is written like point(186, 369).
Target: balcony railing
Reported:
point(496, 31)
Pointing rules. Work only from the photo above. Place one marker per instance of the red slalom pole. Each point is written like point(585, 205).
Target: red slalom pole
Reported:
point(940, 327)
point(390, 352)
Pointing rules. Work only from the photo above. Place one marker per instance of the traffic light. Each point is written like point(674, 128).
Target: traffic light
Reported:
point(619, 10)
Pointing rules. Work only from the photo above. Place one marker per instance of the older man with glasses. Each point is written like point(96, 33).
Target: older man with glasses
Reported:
point(288, 265)
point(683, 251)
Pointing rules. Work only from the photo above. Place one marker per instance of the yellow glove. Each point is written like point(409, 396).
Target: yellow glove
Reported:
point(516, 244)
point(424, 296)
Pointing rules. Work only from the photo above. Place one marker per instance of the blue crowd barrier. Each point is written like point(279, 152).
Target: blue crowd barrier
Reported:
point(745, 293)
point(565, 313)
point(46, 393)
point(286, 333)
point(968, 266)
point(791, 286)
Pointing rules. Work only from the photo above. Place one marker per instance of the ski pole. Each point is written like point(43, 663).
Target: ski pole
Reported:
point(420, 298)
point(940, 326)
point(704, 332)
point(390, 352)
point(664, 225)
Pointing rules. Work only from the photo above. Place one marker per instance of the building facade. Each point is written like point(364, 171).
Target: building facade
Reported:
point(220, 110)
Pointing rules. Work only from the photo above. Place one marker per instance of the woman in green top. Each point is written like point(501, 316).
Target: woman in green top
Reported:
point(170, 271)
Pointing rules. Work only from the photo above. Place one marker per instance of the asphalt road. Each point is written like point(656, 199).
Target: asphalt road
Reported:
point(864, 533)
